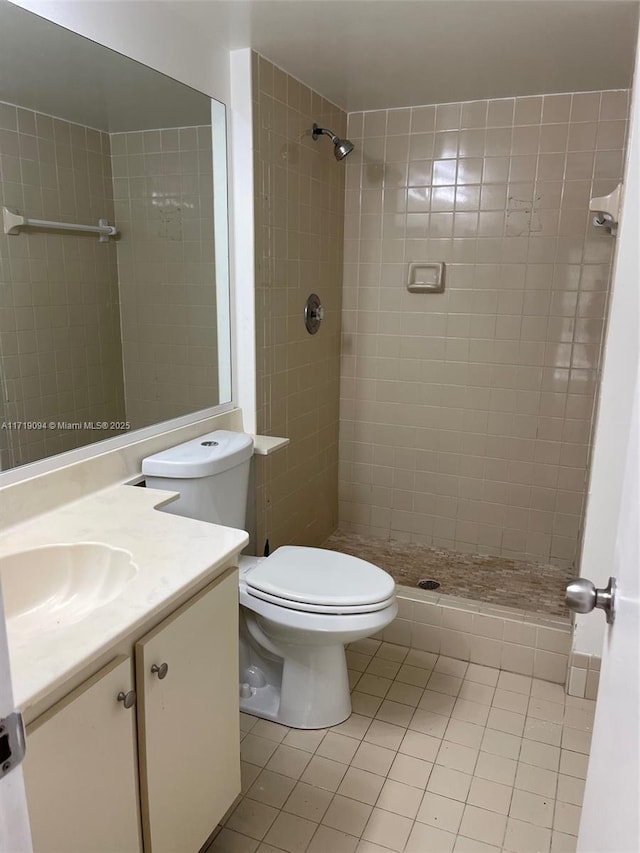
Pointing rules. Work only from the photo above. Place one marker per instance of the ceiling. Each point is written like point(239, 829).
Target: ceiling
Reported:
point(371, 54)
point(49, 69)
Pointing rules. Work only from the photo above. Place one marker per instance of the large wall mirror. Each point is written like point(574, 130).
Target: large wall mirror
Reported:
point(104, 334)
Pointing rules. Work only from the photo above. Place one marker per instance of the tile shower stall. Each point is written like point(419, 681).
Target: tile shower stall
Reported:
point(463, 432)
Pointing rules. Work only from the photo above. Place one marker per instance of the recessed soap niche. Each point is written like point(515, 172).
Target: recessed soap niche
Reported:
point(426, 277)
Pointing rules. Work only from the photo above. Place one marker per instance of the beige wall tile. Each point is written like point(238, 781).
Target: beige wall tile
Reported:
point(487, 390)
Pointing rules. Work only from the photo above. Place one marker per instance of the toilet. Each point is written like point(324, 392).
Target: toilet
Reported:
point(299, 607)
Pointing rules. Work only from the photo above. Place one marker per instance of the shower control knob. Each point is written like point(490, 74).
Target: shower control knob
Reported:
point(581, 596)
point(161, 671)
point(313, 313)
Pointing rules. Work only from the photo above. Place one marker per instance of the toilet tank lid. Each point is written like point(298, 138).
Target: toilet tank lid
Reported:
point(204, 456)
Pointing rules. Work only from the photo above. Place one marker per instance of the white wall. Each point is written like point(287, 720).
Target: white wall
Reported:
point(616, 397)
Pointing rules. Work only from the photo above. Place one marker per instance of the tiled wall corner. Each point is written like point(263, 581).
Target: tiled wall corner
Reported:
point(466, 416)
point(299, 224)
point(583, 675)
point(504, 638)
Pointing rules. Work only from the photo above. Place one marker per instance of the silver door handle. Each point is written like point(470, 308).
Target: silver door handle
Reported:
point(582, 596)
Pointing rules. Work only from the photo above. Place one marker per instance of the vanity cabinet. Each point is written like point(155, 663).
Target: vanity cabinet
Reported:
point(188, 720)
point(157, 776)
point(81, 772)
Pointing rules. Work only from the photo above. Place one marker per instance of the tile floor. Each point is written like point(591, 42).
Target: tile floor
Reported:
point(437, 756)
point(496, 580)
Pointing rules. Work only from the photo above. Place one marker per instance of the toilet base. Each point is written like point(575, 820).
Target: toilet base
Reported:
point(312, 693)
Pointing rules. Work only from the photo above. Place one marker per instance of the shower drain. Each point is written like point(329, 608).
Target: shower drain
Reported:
point(427, 584)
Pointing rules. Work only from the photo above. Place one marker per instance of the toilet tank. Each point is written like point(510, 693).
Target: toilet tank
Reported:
point(211, 473)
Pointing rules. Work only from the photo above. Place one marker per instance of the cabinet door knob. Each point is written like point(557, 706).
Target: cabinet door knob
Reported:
point(161, 670)
point(128, 699)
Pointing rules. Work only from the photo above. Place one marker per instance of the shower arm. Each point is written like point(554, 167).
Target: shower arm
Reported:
point(319, 131)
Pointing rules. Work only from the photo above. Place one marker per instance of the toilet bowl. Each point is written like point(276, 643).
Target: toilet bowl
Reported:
point(299, 607)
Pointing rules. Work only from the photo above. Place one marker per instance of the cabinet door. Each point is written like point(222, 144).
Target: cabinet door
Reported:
point(80, 770)
point(188, 721)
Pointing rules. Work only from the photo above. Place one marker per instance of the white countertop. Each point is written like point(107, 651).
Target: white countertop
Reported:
point(173, 554)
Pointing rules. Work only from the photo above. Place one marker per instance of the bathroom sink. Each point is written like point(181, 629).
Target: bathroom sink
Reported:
point(57, 585)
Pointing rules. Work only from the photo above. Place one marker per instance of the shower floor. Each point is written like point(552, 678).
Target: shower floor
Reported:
point(495, 580)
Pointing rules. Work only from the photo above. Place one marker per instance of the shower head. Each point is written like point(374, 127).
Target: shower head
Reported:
point(342, 147)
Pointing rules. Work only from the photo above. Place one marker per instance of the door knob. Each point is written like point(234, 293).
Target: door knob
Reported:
point(161, 670)
point(582, 596)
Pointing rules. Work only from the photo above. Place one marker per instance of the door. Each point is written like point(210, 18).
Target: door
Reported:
point(610, 820)
point(188, 720)
point(15, 836)
point(81, 769)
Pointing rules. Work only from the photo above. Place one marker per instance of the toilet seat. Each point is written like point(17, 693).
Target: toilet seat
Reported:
point(314, 580)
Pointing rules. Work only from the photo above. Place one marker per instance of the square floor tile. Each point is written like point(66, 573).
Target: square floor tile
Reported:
point(411, 771)
point(324, 773)
point(248, 775)
point(500, 743)
point(416, 657)
point(470, 845)
point(451, 666)
point(570, 790)
point(468, 734)
point(355, 727)
point(457, 757)
point(470, 712)
point(438, 703)
point(327, 839)
point(365, 704)
point(388, 830)
point(395, 712)
point(374, 685)
point(547, 690)
point(288, 761)
point(257, 750)
point(505, 721)
point(441, 812)
point(507, 700)
point(540, 755)
point(495, 768)
point(516, 683)
point(491, 796)
point(271, 788)
point(419, 745)
point(414, 675)
point(347, 815)
point(357, 661)
point(228, 841)
point(542, 731)
point(449, 783)
point(306, 739)
point(361, 785)
point(532, 808)
point(338, 747)
point(385, 668)
point(424, 837)
point(482, 674)
point(385, 734)
point(390, 651)
point(563, 843)
point(374, 758)
point(481, 693)
point(270, 731)
point(575, 741)
point(536, 780)
point(522, 837)
point(566, 818)
point(483, 825)
point(429, 723)
point(406, 694)
point(442, 683)
point(542, 709)
point(308, 801)
point(252, 818)
point(399, 798)
point(573, 763)
point(291, 833)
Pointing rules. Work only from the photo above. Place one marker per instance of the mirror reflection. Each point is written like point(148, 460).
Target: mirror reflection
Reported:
point(100, 335)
